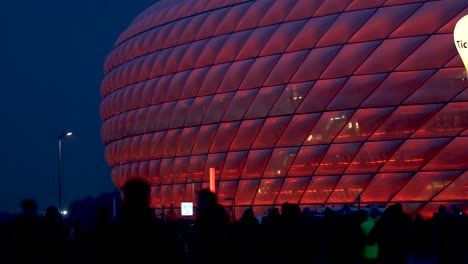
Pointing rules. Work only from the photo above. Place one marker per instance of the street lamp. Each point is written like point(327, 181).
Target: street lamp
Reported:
point(67, 134)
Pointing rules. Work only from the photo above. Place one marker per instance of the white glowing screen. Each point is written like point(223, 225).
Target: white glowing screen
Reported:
point(186, 208)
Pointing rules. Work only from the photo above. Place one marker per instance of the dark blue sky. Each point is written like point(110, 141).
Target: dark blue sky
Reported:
point(50, 70)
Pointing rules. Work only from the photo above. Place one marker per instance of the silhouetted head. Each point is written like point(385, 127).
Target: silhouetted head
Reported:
point(29, 206)
point(206, 201)
point(136, 193)
point(442, 209)
point(248, 213)
point(52, 212)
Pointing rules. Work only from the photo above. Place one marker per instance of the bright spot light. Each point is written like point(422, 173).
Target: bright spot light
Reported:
point(309, 138)
point(69, 134)
point(64, 212)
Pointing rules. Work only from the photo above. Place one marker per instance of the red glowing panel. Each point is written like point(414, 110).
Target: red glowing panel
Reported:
point(452, 157)
point(344, 27)
point(156, 144)
point(259, 71)
point(171, 142)
point(286, 67)
point(232, 46)
point(277, 12)
point(328, 126)
point(178, 194)
point(268, 191)
point(217, 107)
point(166, 194)
point(290, 99)
point(181, 169)
point(315, 63)
point(311, 33)
point(253, 16)
point(180, 113)
point(332, 6)
point(213, 79)
point(418, 60)
point(457, 190)
point(178, 82)
point(449, 121)
point(372, 156)
point(246, 190)
point(205, 137)
point(255, 43)
point(282, 37)
point(155, 171)
point(396, 87)
point(363, 4)
point(404, 121)
point(431, 92)
point(425, 185)
point(167, 169)
point(349, 59)
point(280, 162)
point(271, 132)
point(235, 75)
point(156, 201)
point(413, 154)
point(215, 161)
point(264, 101)
point(224, 136)
point(356, 90)
point(307, 160)
point(229, 22)
point(246, 134)
point(198, 110)
point(384, 186)
point(210, 51)
point(166, 110)
point(226, 191)
point(234, 165)
point(362, 124)
point(303, 9)
point(348, 188)
point(256, 163)
point(297, 130)
point(239, 104)
point(337, 158)
point(197, 167)
point(390, 54)
point(208, 27)
point(323, 89)
point(292, 190)
point(194, 81)
point(187, 140)
point(436, 12)
point(319, 189)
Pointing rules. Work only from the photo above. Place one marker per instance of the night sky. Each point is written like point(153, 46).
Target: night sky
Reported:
point(51, 68)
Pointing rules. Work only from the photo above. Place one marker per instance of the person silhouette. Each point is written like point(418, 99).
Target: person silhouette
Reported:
point(212, 235)
point(137, 235)
point(25, 236)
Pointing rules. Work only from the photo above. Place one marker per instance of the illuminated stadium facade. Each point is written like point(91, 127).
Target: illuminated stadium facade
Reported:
point(309, 102)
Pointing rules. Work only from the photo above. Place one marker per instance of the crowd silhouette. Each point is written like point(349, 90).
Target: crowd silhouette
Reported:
point(284, 235)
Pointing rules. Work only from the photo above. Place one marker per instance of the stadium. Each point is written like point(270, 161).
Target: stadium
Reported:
point(320, 103)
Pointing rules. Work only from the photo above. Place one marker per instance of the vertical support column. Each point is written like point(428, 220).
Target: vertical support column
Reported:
point(213, 180)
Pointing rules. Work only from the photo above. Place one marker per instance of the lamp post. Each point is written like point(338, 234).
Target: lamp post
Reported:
point(60, 168)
